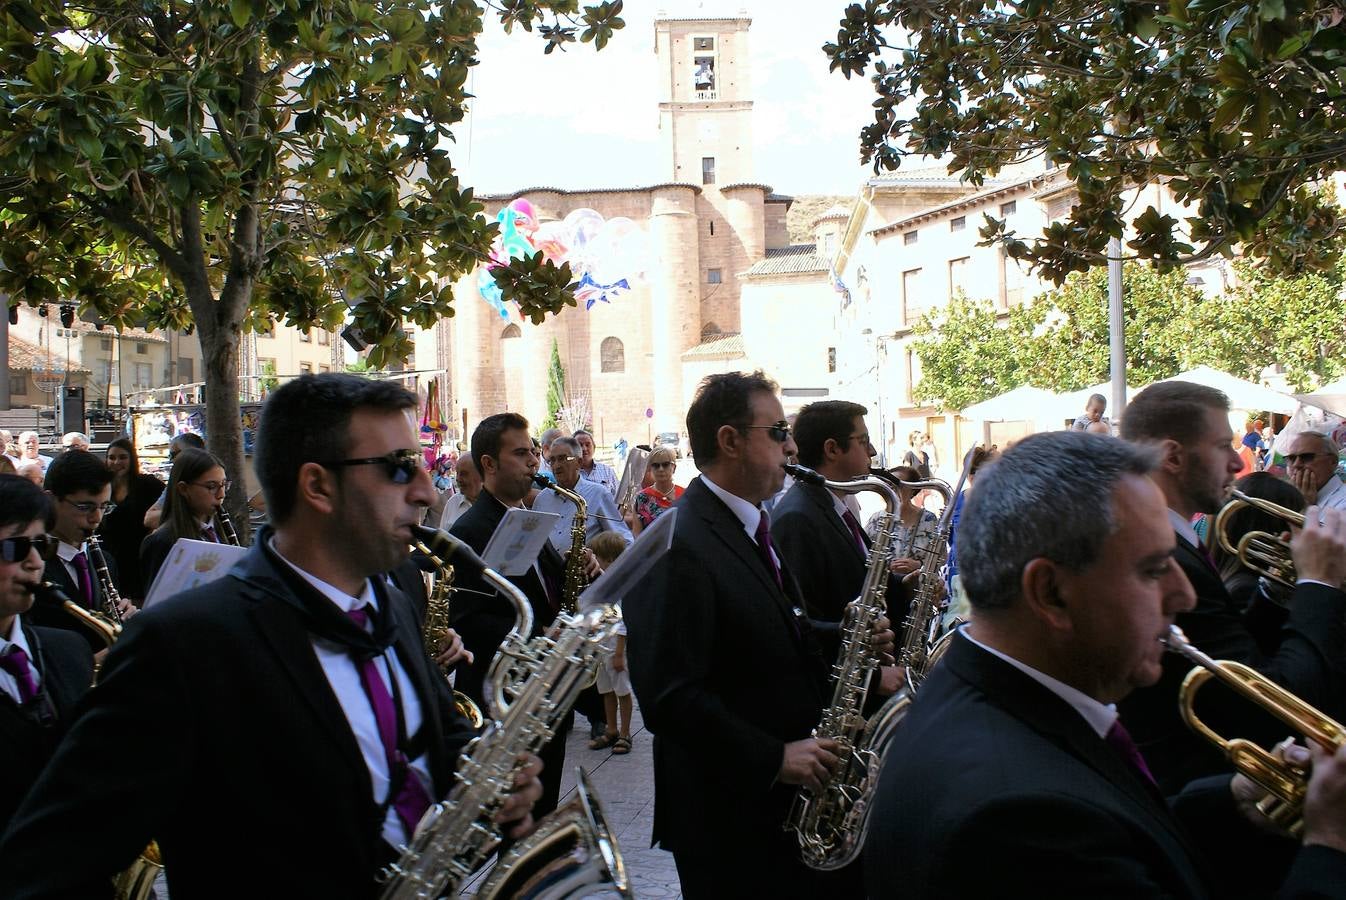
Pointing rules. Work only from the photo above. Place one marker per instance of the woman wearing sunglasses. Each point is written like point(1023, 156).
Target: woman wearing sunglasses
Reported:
point(663, 493)
point(196, 488)
point(43, 671)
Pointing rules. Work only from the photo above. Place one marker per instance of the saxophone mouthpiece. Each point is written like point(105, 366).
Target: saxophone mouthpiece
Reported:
point(448, 547)
point(50, 592)
point(541, 480)
point(802, 473)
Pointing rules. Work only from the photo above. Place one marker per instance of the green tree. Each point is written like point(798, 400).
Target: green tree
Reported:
point(268, 382)
point(232, 163)
point(556, 388)
point(970, 353)
point(1235, 106)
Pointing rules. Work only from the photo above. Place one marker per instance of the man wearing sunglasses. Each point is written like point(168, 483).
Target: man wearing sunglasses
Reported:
point(725, 664)
point(1303, 650)
point(1311, 462)
point(80, 486)
point(43, 671)
point(289, 704)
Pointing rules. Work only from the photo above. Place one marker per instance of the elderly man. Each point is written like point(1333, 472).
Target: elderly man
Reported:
point(75, 440)
point(1188, 426)
point(601, 513)
point(28, 451)
point(591, 468)
point(1311, 461)
point(1012, 775)
point(548, 436)
point(468, 480)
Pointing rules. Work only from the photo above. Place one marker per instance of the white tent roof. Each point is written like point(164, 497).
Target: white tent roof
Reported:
point(1244, 395)
point(1328, 397)
point(1024, 403)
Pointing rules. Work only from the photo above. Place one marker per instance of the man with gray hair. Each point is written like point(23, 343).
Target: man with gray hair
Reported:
point(75, 440)
point(1187, 425)
point(1311, 462)
point(1012, 774)
point(548, 436)
point(601, 509)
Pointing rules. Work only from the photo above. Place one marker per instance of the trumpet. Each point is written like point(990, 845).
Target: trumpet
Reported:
point(1285, 784)
point(1265, 553)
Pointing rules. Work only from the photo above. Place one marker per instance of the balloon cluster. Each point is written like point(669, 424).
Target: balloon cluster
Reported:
point(608, 256)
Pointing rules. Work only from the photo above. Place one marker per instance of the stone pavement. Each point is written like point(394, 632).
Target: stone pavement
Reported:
point(625, 786)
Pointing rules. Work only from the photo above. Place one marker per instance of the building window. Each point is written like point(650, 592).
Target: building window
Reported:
point(324, 338)
point(611, 356)
point(912, 308)
point(306, 368)
point(511, 331)
point(142, 348)
point(707, 170)
point(710, 331)
point(958, 275)
point(105, 343)
point(144, 376)
point(913, 375)
point(831, 359)
point(909, 238)
point(306, 336)
point(703, 43)
point(324, 369)
point(1060, 206)
point(712, 228)
point(1008, 209)
point(1011, 281)
point(712, 276)
point(185, 366)
point(958, 224)
point(18, 385)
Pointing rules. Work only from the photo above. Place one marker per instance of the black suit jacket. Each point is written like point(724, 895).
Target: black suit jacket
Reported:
point(995, 787)
point(480, 615)
point(49, 615)
point(1307, 660)
point(228, 741)
point(29, 734)
point(727, 671)
point(822, 554)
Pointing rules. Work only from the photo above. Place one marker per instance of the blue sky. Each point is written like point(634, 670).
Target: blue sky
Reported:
point(584, 119)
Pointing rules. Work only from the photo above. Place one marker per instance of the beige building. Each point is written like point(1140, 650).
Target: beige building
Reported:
point(269, 358)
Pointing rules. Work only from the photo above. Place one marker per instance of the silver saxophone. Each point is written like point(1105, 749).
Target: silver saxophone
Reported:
point(530, 688)
point(831, 825)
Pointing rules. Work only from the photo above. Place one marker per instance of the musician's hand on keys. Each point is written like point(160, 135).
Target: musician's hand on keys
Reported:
point(1319, 548)
point(1248, 793)
point(518, 808)
point(891, 679)
point(883, 641)
point(1325, 803)
point(809, 762)
point(451, 651)
point(592, 567)
point(127, 609)
point(904, 566)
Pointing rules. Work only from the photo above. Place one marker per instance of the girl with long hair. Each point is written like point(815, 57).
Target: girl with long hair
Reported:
point(196, 489)
point(123, 528)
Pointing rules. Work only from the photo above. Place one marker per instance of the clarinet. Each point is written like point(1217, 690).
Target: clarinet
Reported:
point(112, 598)
point(227, 526)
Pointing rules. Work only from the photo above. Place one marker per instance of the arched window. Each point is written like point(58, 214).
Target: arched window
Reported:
point(511, 331)
point(611, 356)
point(710, 330)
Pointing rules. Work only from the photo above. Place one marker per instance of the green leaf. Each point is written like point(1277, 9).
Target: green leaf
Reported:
point(241, 12)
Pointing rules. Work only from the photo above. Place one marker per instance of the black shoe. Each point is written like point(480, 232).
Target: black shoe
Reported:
point(597, 730)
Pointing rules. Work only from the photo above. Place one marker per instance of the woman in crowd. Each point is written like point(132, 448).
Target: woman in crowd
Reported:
point(196, 488)
point(663, 493)
point(916, 526)
point(958, 606)
point(123, 529)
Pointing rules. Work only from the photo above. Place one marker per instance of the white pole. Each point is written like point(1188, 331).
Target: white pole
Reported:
point(1116, 328)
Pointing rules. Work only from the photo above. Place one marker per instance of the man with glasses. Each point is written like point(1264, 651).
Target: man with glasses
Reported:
point(1311, 462)
point(43, 671)
point(1304, 651)
point(725, 664)
point(80, 486)
point(507, 459)
point(288, 705)
point(591, 468)
point(601, 509)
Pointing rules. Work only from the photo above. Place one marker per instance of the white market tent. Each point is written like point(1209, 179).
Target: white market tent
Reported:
point(1023, 404)
point(1329, 397)
point(1243, 395)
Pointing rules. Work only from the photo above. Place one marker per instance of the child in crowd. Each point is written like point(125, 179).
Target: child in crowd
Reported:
point(614, 682)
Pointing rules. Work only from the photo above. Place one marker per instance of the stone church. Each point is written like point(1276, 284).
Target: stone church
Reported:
point(711, 237)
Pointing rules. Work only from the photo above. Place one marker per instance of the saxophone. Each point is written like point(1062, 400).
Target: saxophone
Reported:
point(137, 881)
point(575, 579)
point(112, 598)
point(530, 689)
point(436, 629)
point(831, 825)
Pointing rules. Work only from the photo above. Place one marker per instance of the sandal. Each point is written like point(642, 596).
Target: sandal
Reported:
point(621, 745)
point(604, 741)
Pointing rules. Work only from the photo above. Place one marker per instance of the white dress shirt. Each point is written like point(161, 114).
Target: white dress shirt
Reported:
point(601, 513)
point(344, 677)
point(1333, 494)
point(454, 507)
point(8, 683)
point(1100, 716)
point(744, 511)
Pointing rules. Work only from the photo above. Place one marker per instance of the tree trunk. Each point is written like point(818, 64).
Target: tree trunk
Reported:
point(224, 427)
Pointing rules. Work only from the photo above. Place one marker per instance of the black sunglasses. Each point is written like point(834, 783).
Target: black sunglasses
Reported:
point(16, 549)
point(780, 432)
point(662, 465)
point(402, 465)
point(1305, 458)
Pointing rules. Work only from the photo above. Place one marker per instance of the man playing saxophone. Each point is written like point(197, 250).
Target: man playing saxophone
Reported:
point(288, 706)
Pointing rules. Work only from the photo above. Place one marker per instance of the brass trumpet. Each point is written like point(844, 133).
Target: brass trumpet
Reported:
point(1265, 553)
point(1285, 784)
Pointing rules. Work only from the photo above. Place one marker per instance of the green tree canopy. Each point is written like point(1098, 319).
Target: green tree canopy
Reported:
point(227, 163)
point(1237, 107)
point(556, 388)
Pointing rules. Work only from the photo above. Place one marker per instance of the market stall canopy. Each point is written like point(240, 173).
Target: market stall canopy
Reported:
point(1329, 397)
point(1244, 395)
point(1023, 404)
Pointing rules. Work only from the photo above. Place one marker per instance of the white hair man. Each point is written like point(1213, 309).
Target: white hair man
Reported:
point(28, 451)
point(75, 440)
point(1311, 462)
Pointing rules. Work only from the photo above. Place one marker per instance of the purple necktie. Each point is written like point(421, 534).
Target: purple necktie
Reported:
point(15, 662)
point(763, 537)
point(1205, 554)
point(854, 526)
point(209, 532)
point(85, 578)
point(411, 801)
point(1119, 739)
